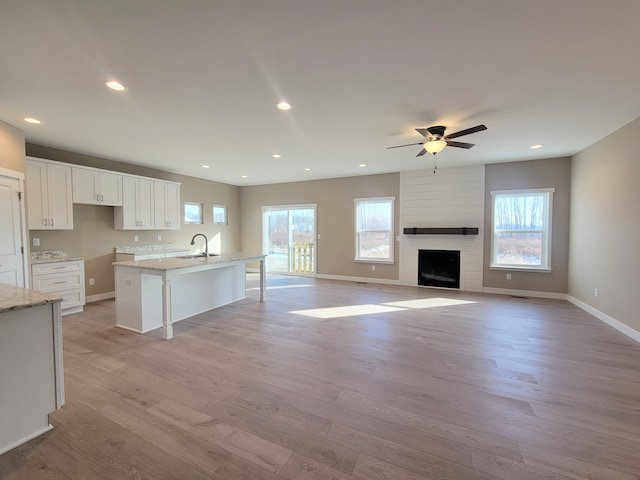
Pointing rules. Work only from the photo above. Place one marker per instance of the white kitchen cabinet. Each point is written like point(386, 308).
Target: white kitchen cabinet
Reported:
point(137, 211)
point(166, 205)
point(64, 279)
point(49, 195)
point(93, 186)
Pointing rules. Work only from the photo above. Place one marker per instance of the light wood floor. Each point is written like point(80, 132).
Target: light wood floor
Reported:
point(334, 380)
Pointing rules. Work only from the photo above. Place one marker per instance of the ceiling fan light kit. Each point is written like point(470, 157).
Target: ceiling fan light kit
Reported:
point(434, 146)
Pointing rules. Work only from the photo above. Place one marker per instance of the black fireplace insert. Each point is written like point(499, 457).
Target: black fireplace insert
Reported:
point(439, 268)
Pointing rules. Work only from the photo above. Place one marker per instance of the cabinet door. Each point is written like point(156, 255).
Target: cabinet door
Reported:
point(172, 206)
point(110, 189)
point(36, 186)
point(159, 205)
point(145, 204)
point(85, 186)
point(127, 214)
point(60, 197)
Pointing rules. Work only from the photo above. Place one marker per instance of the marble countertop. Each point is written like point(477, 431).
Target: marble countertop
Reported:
point(174, 263)
point(51, 256)
point(15, 298)
point(142, 249)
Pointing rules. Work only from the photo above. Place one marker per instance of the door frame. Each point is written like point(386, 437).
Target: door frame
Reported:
point(295, 206)
point(19, 176)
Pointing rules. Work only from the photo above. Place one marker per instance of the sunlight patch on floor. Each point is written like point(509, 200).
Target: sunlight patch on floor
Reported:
point(428, 303)
point(280, 287)
point(346, 311)
point(370, 308)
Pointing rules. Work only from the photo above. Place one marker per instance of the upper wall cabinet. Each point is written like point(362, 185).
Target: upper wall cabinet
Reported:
point(96, 187)
point(166, 205)
point(136, 212)
point(49, 195)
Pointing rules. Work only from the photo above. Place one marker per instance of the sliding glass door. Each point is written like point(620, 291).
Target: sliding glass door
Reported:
point(288, 238)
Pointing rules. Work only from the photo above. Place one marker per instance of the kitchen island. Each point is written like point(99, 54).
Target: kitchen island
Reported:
point(31, 368)
point(159, 292)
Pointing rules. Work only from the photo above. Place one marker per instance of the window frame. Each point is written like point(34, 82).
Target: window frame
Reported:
point(226, 214)
point(545, 257)
point(392, 236)
point(200, 210)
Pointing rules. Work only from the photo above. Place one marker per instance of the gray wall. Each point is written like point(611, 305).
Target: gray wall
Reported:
point(605, 225)
point(552, 172)
point(336, 218)
point(11, 148)
point(94, 238)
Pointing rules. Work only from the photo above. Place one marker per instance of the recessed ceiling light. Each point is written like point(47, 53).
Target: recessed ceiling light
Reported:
point(276, 155)
point(244, 176)
point(205, 166)
point(117, 86)
point(284, 105)
point(307, 169)
point(363, 165)
point(536, 146)
point(35, 121)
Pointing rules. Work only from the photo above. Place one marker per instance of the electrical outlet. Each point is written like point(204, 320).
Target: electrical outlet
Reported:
point(36, 242)
point(92, 281)
point(135, 238)
point(508, 276)
point(373, 268)
point(159, 238)
point(596, 292)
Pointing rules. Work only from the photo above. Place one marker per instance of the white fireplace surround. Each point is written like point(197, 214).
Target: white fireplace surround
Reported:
point(454, 197)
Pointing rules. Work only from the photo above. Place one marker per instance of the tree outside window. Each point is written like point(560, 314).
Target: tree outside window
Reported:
point(521, 229)
point(374, 229)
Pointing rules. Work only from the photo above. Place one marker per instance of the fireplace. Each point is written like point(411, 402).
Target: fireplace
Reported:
point(439, 268)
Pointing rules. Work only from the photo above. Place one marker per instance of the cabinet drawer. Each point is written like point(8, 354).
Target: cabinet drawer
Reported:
point(56, 267)
point(53, 283)
point(71, 298)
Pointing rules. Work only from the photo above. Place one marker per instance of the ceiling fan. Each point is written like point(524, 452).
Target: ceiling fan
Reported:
point(436, 140)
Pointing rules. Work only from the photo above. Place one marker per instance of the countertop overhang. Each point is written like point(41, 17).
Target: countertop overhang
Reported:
point(13, 297)
point(175, 263)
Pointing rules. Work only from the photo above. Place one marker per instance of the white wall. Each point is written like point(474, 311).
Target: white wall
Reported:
point(453, 197)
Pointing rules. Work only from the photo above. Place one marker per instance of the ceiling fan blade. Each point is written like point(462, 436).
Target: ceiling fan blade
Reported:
point(460, 144)
point(422, 152)
point(423, 131)
point(477, 128)
point(407, 145)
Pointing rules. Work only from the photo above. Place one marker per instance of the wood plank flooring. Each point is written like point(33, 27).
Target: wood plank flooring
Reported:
point(335, 380)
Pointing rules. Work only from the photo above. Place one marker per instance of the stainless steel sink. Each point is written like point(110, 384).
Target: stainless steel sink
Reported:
point(198, 255)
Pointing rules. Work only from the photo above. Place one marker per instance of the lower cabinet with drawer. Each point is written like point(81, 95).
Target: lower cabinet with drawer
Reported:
point(65, 279)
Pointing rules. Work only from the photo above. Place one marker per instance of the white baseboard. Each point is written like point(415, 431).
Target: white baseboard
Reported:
point(17, 443)
point(346, 278)
point(618, 325)
point(525, 293)
point(100, 296)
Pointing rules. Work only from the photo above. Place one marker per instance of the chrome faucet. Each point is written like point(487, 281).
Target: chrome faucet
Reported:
point(206, 242)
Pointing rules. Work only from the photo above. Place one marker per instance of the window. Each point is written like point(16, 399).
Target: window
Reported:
point(374, 229)
point(521, 225)
point(220, 214)
point(192, 212)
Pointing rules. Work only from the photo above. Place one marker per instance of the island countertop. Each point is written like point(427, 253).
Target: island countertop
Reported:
point(174, 263)
point(15, 298)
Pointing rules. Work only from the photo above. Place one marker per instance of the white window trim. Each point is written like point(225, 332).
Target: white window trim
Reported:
point(226, 215)
point(546, 242)
point(201, 208)
point(391, 259)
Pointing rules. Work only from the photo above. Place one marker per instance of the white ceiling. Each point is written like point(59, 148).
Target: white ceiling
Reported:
point(204, 78)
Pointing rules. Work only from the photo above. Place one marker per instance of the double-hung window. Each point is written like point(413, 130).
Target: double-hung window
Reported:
point(374, 229)
point(521, 229)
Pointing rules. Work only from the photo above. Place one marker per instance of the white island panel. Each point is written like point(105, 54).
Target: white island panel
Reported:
point(156, 293)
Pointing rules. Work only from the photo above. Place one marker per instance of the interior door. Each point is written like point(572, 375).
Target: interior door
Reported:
point(11, 249)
